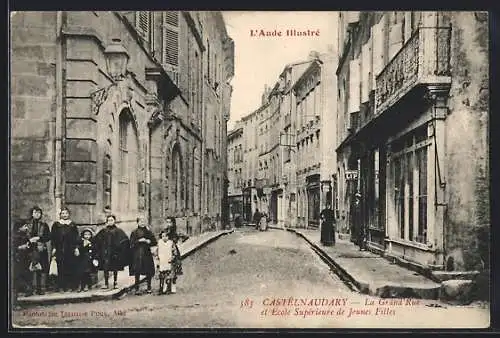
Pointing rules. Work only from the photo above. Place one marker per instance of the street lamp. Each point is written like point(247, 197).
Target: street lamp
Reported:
point(117, 58)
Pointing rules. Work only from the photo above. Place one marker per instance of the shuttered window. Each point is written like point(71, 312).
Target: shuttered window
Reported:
point(143, 24)
point(354, 86)
point(171, 39)
point(395, 39)
point(378, 49)
point(366, 70)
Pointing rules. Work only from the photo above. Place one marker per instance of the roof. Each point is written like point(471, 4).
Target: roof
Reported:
point(314, 64)
point(262, 107)
point(235, 132)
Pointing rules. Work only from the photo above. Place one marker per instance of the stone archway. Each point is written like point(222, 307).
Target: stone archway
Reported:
point(128, 164)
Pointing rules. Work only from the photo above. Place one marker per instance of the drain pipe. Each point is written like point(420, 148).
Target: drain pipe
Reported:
point(59, 118)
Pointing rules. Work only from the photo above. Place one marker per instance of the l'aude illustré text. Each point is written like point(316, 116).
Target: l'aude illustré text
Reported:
point(284, 33)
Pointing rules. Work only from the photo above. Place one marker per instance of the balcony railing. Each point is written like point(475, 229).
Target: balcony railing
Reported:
point(423, 59)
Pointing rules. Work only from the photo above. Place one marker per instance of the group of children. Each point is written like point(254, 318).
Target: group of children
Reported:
point(75, 257)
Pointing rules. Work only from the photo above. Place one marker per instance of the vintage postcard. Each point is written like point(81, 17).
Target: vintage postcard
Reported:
point(249, 169)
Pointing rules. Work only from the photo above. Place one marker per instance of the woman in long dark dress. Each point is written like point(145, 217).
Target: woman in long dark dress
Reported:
point(65, 241)
point(39, 236)
point(113, 250)
point(22, 259)
point(327, 226)
point(141, 241)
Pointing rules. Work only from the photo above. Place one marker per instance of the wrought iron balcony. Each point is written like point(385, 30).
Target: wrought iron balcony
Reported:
point(423, 60)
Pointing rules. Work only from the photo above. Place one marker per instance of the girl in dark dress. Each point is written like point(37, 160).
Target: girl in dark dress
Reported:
point(88, 262)
point(142, 263)
point(65, 242)
point(113, 250)
point(39, 236)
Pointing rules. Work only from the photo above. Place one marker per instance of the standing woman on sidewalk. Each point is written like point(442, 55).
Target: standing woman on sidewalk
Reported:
point(39, 234)
point(113, 250)
point(171, 228)
point(141, 241)
point(65, 241)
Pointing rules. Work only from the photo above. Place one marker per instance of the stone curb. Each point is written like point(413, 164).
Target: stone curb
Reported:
point(113, 294)
point(384, 291)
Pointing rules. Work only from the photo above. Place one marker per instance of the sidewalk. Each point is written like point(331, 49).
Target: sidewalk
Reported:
point(370, 273)
point(125, 282)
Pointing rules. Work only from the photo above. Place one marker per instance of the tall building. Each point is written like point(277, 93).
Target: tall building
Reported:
point(287, 212)
point(315, 126)
point(119, 112)
point(250, 127)
point(413, 135)
point(235, 171)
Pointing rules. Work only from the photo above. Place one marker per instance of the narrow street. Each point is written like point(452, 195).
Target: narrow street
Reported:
point(233, 281)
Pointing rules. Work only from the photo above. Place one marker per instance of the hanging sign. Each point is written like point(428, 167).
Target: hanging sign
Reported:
point(351, 175)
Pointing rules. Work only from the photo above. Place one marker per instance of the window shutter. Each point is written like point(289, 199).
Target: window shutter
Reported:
point(366, 69)
point(143, 24)
point(395, 39)
point(171, 40)
point(354, 89)
point(407, 26)
point(378, 50)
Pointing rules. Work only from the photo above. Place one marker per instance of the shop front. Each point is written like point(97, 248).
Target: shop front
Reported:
point(313, 200)
point(247, 204)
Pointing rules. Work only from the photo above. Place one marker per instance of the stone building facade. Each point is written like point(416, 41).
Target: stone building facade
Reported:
point(130, 141)
point(413, 136)
point(250, 170)
point(287, 141)
point(235, 171)
point(315, 138)
point(296, 161)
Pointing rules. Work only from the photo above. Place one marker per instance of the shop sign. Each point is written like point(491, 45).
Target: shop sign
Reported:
point(351, 175)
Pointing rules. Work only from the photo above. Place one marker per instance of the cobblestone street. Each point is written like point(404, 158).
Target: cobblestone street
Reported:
point(233, 281)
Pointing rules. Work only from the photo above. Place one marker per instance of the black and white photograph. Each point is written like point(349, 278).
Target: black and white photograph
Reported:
point(249, 169)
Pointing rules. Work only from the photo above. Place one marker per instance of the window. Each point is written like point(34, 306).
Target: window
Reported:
point(177, 180)
point(143, 24)
point(170, 56)
point(410, 185)
point(208, 62)
point(107, 182)
point(195, 180)
point(415, 20)
point(128, 159)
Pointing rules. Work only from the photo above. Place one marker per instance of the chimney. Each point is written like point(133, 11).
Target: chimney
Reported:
point(313, 55)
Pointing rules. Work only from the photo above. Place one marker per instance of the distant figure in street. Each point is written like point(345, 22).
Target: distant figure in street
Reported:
point(256, 218)
point(327, 226)
point(65, 241)
point(359, 226)
point(141, 241)
point(39, 236)
point(263, 222)
point(113, 250)
point(88, 259)
point(171, 228)
point(165, 253)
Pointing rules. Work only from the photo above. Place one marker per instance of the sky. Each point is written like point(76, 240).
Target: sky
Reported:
point(259, 60)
